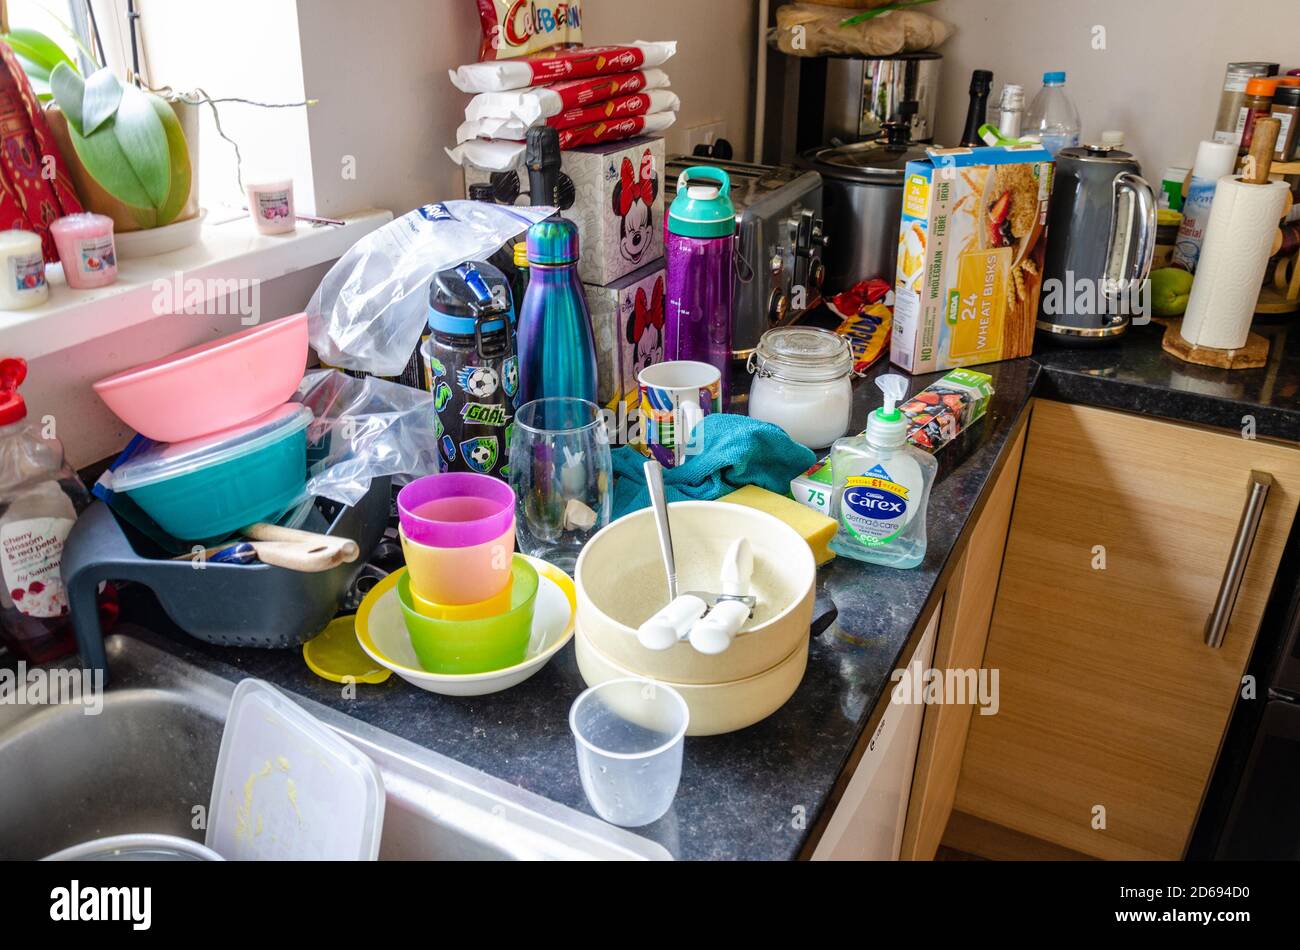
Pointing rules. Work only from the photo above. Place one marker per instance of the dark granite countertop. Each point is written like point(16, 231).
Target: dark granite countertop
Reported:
point(758, 793)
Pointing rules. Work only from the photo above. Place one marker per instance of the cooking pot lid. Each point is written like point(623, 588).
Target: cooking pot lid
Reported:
point(1096, 153)
point(872, 161)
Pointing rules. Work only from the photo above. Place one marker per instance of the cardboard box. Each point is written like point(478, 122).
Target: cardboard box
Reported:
point(627, 318)
point(618, 204)
point(936, 415)
point(970, 256)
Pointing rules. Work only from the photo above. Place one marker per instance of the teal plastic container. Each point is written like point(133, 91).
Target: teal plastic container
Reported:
point(206, 488)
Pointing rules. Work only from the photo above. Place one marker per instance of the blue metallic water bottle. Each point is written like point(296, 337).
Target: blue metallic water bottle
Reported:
point(557, 352)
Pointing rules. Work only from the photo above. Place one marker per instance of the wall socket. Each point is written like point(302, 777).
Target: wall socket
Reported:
point(706, 133)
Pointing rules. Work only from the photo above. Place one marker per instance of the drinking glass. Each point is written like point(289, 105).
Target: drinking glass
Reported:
point(629, 734)
point(563, 478)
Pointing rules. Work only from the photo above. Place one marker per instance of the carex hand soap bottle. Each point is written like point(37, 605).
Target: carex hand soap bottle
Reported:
point(882, 487)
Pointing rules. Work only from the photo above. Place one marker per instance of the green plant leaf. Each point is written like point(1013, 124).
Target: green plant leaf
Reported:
point(105, 162)
point(144, 143)
point(69, 90)
point(38, 48)
point(178, 149)
point(102, 96)
point(34, 71)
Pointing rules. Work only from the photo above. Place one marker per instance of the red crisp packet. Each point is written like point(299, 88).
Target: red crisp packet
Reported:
point(866, 321)
point(625, 128)
point(609, 110)
point(578, 93)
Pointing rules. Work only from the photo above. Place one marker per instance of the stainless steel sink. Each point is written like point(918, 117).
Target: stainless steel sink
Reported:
point(146, 764)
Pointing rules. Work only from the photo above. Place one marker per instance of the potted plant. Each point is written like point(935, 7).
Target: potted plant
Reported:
point(127, 149)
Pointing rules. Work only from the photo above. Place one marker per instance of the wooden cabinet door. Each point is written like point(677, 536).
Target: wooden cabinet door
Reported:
point(1112, 706)
point(868, 821)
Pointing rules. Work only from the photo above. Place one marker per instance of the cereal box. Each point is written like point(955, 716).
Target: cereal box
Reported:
point(970, 256)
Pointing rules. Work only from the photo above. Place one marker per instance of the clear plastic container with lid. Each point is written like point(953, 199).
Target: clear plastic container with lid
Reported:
point(210, 486)
point(803, 383)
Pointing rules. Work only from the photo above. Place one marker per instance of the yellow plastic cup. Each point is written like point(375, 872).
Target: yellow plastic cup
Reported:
point(460, 577)
point(492, 607)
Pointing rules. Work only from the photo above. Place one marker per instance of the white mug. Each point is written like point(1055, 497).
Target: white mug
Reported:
point(675, 398)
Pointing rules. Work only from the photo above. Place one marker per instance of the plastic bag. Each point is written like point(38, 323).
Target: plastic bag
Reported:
point(368, 312)
point(511, 28)
point(531, 106)
point(364, 429)
point(516, 128)
point(810, 29)
point(506, 74)
point(500, 155)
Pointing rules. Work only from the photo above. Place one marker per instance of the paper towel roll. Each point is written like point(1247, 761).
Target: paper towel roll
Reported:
point(1238, 238)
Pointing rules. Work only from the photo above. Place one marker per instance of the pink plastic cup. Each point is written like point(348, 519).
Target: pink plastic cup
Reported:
point(458, 535)
point(455, 509)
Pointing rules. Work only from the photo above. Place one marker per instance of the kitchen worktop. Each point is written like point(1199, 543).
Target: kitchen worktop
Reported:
point(758, 793)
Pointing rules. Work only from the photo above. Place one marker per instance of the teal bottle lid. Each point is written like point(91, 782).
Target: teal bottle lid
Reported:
point(703, 207)
point(553, 242)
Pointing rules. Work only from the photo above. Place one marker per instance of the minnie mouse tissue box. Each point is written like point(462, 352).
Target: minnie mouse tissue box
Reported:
point(628, 319)
point(618, 207)
point(613, 192)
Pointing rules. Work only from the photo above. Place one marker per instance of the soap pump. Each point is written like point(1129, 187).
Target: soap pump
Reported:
point(882, 487)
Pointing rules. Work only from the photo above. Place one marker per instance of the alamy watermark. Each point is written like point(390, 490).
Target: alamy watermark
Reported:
point(42, 686)
point(949, 687)
point(212, 296)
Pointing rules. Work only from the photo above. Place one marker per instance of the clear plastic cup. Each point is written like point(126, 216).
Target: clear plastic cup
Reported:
point(629, 735)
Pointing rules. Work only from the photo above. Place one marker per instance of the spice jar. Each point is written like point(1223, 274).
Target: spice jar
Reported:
point(1286, 109)
point(803, 383)
point(1226, 124)
point(1258, 102)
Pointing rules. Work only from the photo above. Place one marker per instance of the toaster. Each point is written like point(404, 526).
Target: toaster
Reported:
point(780, 238)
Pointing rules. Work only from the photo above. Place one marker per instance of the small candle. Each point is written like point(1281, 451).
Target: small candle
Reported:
point(22, 271)
point(270, 204)
point(85, 243)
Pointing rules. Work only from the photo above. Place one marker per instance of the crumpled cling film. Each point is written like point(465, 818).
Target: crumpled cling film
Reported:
point(500, 155)
point(368, 312)
point(364, 429)
point(542, 102)
point(581, 63)
point(611, 110)
point(514, 28)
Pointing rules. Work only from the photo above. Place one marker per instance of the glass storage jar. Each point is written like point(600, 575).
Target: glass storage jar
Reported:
point(803, 383)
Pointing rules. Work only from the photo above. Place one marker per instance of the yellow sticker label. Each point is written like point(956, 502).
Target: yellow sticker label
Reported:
point(916, 196)
point(977, 312)
point(871, 481)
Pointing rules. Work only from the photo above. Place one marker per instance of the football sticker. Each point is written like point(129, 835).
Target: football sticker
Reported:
point(442, 397)
point(480, 453)
point(510, 371)
point(449, 448)
point(479, 381)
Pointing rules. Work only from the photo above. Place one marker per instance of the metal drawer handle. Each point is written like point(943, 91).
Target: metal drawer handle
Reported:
point(1217, 626)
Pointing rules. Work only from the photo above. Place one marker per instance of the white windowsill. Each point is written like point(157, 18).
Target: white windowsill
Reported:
point(230, 249)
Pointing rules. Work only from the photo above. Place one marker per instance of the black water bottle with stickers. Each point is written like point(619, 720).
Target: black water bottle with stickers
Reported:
point(471, 367)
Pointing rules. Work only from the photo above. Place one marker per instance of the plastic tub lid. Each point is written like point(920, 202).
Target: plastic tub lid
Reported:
point(162, 461)
point(290, 788)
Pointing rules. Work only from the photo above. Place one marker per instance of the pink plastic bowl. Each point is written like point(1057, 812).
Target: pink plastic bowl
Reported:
point(212, 386)
point(455, 510)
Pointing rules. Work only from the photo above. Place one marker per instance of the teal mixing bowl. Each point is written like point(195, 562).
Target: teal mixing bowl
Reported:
point(209, 487)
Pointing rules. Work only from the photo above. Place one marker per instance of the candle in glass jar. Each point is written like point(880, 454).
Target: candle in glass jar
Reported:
point(85, 243)
point(270, 204)
point(22, 271)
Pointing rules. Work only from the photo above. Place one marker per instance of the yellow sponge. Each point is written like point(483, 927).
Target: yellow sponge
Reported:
point(815, 527)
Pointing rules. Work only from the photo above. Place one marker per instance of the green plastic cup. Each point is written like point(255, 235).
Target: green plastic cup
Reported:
point(458, 647)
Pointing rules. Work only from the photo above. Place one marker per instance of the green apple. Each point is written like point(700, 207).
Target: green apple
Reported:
point(1170, 289)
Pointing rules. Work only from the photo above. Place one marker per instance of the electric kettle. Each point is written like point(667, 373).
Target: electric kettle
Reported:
point(1101, 228)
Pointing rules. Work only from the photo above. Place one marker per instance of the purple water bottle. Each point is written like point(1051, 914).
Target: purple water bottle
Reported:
point(700, 247)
